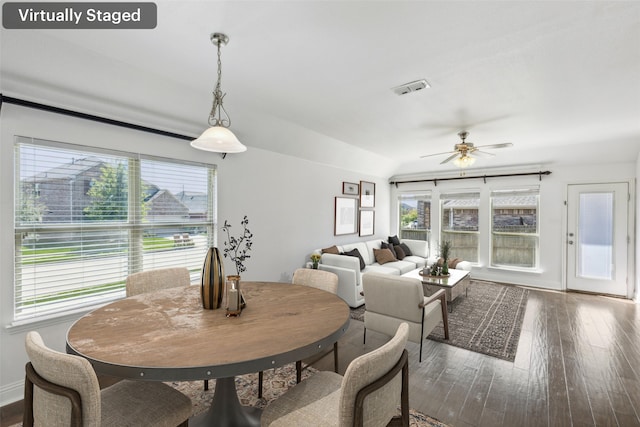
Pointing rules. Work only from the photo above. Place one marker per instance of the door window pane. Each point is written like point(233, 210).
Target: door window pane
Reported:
point(415, 216)
point(595, 236)
point(460, 222)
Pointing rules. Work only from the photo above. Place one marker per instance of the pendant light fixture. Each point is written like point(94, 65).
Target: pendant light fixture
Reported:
point(218, 138)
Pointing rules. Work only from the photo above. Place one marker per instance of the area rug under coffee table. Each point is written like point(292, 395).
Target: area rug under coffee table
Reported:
point(488, 320)
point(276, 382)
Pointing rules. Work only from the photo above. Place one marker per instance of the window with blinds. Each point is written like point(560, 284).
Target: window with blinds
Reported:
point(414, 213)
point(85, 219)
point(514, 228)
point(460, 223)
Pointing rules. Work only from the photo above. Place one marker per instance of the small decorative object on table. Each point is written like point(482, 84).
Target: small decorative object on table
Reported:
point(234, 296)
point(212, 280)
point(237, 250)
point(315, 259)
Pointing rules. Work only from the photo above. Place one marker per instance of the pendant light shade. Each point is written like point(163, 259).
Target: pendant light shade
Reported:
point(218, 138)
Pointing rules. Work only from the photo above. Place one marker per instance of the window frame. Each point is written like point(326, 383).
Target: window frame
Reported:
point(531, 191)
point(134, 227)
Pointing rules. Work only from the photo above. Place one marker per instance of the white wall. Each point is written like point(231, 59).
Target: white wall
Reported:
point(289, 203)
point(553, 193)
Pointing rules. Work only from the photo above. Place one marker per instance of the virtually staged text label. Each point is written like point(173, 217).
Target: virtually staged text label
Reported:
point(79, 15)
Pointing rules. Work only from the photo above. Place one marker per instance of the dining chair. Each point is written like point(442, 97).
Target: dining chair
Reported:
point(154, 280)
point(160, 278)
point(373, 387)
point(319, 279)
point(63, 390)
point(392, 300)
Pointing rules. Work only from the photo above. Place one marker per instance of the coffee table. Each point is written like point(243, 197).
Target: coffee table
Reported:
point(454, 285)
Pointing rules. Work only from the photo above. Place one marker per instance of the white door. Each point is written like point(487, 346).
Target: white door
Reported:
point(597, 238)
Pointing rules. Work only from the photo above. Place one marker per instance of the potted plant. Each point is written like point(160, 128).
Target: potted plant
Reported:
point(445, 249)
point(237, 248)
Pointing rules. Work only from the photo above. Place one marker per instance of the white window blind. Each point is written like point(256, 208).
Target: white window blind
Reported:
point(85, 219)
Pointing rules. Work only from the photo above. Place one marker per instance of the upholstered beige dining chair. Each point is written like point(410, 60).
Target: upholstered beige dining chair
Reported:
point(373, 387)
point(153, 280)
point(62, 390)
point(392, 300)
point(319, 279)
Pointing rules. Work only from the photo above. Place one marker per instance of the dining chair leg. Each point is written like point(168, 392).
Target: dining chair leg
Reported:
point(335, 357)
point(206, 385)
point(260, 378)
point(298, 371)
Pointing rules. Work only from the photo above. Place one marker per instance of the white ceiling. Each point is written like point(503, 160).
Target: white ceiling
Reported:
point(558, 79)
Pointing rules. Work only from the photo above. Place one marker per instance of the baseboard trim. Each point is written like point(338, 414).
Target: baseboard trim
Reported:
point(11, 393)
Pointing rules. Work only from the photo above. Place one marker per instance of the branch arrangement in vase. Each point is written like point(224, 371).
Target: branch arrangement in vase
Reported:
point(237, 248)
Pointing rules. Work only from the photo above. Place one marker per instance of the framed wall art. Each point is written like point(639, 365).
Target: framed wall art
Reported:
point(367, 223)
point(350, 188)
point(346, 216)
point(367, 194)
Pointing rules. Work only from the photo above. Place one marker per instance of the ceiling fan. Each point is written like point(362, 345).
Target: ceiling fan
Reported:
point(461, 152)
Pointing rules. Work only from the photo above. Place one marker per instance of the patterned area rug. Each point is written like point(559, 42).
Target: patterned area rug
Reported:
point(488, 320)
point(276, 382)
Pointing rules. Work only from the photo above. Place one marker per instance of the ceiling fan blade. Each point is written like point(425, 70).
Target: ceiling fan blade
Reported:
point(482, 153)
point(438, 154)
point(448, 159)
point(503, 145)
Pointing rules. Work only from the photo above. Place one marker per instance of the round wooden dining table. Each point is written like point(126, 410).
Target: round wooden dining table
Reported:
point(168, 336)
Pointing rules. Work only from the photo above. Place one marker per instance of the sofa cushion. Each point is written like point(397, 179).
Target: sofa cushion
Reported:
point(394, 240)
point(417, 260)
point(355, 253)
point(399, 252)
point(383, 256)
point(377, 268)
point(402, 266)
point(330, 250)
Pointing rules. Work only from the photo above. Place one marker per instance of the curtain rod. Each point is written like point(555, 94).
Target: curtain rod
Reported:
point(435, 180)
point(64, 111)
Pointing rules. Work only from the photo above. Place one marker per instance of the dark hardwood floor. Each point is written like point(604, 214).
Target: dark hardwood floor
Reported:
point(578, 364)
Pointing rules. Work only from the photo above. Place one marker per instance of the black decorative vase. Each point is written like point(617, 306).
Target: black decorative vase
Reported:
point(212, 280)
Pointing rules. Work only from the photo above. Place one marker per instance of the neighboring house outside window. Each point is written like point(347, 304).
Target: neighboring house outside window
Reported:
point(415, 216)
point(460, 224)
point(86, 220)
point(514, 228)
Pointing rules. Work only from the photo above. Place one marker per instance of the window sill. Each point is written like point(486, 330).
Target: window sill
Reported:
point(21, 326)
point(516, 269)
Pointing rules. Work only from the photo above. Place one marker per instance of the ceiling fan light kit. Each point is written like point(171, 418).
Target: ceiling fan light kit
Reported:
point(219, 138)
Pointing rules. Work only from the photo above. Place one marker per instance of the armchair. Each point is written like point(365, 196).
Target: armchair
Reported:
point(392, 300)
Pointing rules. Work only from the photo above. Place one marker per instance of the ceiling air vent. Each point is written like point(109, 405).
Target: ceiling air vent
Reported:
point(411, 87)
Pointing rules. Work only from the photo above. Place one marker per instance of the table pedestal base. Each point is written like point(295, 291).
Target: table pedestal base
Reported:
point(226, 410)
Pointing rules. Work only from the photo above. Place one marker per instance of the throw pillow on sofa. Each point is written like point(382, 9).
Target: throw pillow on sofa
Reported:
point(330, 250)
point(356, 253)
point(383, 256)
point(405, 248)
point(400, 252)
point(385, 245)
point(394, 240)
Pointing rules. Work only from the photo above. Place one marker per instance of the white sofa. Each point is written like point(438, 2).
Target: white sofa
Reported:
point(348, 267)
